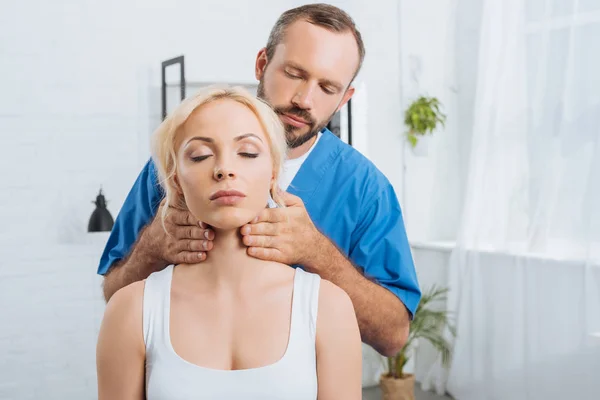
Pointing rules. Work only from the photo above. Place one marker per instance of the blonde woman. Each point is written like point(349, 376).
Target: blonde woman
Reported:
point(233, 326)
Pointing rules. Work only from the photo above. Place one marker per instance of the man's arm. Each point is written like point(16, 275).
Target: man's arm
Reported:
point(140, 263)
point(383, 319)
point(378, 275)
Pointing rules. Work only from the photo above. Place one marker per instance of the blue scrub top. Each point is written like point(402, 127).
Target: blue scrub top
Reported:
point(347, 197)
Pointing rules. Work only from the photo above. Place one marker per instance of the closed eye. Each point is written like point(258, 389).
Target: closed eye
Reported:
point(327, 90)
point(249, 155)
point(200, 158)
point(292, 75)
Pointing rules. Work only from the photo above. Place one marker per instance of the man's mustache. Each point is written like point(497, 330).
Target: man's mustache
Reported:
point(298, 112)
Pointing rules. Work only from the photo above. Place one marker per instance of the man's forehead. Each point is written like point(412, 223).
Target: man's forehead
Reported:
point(317, 49)
point(305, 34)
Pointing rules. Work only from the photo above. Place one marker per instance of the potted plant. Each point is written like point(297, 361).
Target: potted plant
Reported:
point(422, 117)
point(428, 323)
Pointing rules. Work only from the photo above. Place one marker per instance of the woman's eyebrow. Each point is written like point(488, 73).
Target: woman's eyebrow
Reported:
point(246, 135)
point(237, 138)
point(201, 138)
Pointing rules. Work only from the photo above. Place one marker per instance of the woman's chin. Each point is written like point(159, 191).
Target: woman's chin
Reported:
point(231, 220)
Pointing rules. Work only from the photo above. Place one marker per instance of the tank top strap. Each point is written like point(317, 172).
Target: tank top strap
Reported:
point(157, 299)
point(305, 304)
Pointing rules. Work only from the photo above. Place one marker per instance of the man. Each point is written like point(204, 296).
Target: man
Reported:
point(342, 220)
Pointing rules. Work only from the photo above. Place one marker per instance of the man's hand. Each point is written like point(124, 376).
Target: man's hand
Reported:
point(187, 242)
point(285, 235)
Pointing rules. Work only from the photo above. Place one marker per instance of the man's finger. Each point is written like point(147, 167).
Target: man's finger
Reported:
point(266, 254)
point(261, 228)
point(190, 232)
point(194, 245)
point(183, 218)
point(260, 241)
point(271, 215)
point(188, 257)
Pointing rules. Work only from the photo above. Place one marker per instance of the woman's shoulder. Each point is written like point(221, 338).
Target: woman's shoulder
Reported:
point(127, 302)
point(336, 319)
point(120, 338)
point(330, 296)
point(332, 299)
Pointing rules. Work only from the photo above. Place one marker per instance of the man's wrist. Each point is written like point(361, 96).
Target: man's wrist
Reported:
point(146, 257)
point(321, 255)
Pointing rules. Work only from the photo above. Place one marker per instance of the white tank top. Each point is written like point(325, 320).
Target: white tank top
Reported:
point(168, 376)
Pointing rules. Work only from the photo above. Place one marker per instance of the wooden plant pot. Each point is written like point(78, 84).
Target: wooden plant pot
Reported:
point(398, 389)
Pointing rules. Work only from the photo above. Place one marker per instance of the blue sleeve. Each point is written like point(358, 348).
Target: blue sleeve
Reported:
point(138, 210)
point(380, 246)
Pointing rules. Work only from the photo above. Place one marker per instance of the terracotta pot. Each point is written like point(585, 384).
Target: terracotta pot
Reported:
point(398, 389)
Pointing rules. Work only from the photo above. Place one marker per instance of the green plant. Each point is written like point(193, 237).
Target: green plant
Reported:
point(427, 324)
point(422, 117)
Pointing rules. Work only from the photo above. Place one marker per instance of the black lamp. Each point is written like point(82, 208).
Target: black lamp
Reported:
point(101, 220)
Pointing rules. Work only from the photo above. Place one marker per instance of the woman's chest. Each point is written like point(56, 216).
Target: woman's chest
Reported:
point(229, 333)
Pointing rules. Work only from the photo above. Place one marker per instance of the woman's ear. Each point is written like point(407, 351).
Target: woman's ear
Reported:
point(177, 185)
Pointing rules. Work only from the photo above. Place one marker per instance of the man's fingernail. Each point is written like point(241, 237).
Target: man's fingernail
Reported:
point(205, 245)
point(206, 235)
point(201, 255)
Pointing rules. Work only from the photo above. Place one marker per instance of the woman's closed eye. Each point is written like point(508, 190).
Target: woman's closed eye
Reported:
point(200, 158)
point(248, 154)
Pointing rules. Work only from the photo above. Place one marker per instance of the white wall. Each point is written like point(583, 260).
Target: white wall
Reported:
point(439, 47)
point(427, 36)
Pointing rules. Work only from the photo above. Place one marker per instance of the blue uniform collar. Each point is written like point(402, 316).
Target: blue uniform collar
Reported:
point(313, 169)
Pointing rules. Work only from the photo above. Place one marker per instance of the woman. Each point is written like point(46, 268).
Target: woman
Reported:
point(232, 327)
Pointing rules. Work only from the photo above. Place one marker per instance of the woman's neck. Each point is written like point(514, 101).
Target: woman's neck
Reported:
point(228, 263)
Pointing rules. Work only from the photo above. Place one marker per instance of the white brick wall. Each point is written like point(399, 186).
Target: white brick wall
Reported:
point(51, 311)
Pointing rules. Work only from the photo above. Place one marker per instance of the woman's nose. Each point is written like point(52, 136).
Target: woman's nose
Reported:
point(223, 173)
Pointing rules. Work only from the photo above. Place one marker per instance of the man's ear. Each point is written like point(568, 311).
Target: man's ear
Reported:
point(261, 63)
point(347, 96)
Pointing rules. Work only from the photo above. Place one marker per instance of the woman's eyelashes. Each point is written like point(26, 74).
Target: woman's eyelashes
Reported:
point(200, 158)
point(245, 154)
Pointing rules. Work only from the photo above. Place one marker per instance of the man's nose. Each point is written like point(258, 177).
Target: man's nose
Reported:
point(303, 98)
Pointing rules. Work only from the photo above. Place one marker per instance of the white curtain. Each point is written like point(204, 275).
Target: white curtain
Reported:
point(525, 274)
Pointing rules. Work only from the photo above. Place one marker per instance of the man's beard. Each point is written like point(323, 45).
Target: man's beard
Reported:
point(292, 138)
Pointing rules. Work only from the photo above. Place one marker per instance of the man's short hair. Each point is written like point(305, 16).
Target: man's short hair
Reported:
point(324, 15)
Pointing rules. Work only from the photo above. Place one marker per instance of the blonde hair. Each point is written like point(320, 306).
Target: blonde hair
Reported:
point(165, 137)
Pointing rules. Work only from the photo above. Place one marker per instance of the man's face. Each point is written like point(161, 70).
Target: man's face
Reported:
point(307, 80)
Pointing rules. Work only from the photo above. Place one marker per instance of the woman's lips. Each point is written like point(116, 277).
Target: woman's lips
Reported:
point(227, 197)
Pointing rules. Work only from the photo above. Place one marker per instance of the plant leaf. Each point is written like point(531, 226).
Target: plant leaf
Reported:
point(412, 139)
